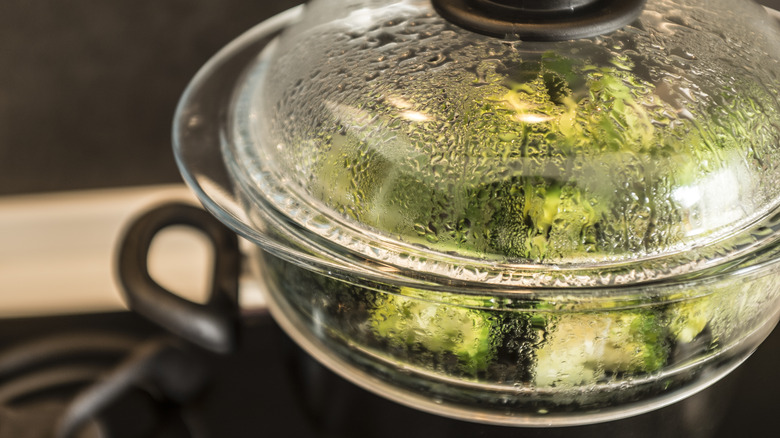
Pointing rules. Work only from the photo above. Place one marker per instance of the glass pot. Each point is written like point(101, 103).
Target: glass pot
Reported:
point(501, 229)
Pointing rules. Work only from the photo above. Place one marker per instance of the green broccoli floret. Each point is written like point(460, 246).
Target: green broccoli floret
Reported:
point(688, 319)
point(583, 348)
point(538, 120)
point(543, 220)
point(354, 172)
point(410, 323)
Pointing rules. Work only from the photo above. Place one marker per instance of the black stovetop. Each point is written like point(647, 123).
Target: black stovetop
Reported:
point(271, 388)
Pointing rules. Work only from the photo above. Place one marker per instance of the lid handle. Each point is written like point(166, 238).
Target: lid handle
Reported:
point(540, 20)
point(538, 6)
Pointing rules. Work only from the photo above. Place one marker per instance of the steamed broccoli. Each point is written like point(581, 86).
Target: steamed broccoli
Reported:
point(689, 319)
point(584, 348)
point(441, 329)
point(524, 177)
point(550, 348)
point(543, 220)
point(545, 160)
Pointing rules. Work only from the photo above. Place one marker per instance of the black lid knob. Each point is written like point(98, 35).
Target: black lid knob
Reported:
point(540, 20)
point(538, 6)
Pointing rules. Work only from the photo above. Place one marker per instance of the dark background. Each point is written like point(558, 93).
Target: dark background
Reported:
point(88, 88)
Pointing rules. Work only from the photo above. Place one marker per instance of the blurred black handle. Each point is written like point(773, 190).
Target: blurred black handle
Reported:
point(212, 325)
point(163, 366)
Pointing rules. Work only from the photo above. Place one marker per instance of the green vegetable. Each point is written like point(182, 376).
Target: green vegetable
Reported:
point(556, 349)
point(410, 323)
point(544, 219)
point(584, 348)
point(689, 319)
point(549, 160)
point(520, 172)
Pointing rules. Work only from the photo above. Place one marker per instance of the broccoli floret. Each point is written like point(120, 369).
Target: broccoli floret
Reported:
point(688, 319)
point(583, 348)
point(354, 172)
point(538, 121)
point(442, 329)
point(543, 220)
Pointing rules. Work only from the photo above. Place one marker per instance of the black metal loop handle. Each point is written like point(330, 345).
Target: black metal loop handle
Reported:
point(212, 325)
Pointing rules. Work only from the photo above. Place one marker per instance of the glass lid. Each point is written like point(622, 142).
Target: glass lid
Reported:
point(396, 134)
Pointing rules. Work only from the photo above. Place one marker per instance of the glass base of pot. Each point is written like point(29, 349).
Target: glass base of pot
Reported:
point(505, 404)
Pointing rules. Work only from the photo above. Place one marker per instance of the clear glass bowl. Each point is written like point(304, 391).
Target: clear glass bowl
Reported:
point(480, 339)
